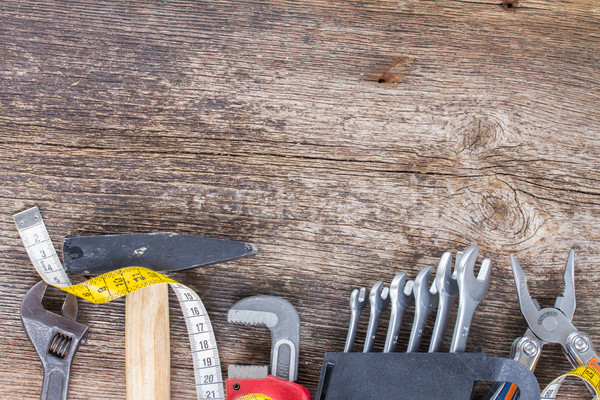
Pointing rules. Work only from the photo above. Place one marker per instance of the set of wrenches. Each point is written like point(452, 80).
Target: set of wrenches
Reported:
point(402, 293)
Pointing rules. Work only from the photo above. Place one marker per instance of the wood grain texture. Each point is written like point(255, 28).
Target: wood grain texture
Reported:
point(349, 140)
point(147, 344)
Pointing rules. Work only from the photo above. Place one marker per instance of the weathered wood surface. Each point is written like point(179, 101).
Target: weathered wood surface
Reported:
point(348, 140)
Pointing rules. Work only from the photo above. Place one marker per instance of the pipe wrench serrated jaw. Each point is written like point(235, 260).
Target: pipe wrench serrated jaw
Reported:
point(282, 319)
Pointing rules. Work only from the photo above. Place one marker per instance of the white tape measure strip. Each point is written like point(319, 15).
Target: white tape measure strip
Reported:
point(205, 355)
point(39, 247)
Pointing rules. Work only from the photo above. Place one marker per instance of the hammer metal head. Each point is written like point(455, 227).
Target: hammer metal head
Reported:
point(159, 251)
point(282, 319)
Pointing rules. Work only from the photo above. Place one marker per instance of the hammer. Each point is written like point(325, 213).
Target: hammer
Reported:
point(147, 359)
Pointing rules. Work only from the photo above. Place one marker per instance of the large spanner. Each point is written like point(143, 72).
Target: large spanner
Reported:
point(282, 319)
point(55, 338)
point(471, 291)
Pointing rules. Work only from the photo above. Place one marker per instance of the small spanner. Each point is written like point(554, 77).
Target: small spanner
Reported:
point(471, 291)
point(401, 298)
point(378, 302)
point(282, 319)
point(426, 299)
point(447, 288)
point(55, 338)
point(358, 302)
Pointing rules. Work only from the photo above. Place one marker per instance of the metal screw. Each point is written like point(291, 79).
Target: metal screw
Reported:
point(530, 348)
point(580, 343)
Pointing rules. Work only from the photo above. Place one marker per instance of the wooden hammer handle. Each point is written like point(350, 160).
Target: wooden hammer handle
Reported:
point(147, 348)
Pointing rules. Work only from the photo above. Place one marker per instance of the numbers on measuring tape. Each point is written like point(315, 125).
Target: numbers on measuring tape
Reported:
point(39, 247)
point(115, 284)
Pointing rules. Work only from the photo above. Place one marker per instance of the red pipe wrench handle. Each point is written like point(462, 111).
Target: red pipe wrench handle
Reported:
point(272, 387)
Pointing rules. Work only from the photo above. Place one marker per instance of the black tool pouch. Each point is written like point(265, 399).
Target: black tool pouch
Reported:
point(414, 376)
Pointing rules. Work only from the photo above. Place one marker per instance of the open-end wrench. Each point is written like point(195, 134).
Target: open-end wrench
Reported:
point(401, 298)
point(426, 299)
point(55, 338)
point(471, 291)
point(378, 302)
point(447, 288)
point(357, 304)
point(282, 319)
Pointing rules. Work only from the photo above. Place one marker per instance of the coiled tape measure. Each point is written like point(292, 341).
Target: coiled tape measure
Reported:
point(118, 283)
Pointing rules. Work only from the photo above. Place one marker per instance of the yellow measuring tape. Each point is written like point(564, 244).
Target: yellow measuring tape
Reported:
point(118, 283)
point(254, 396)
point(588, 374)
point(115, 284)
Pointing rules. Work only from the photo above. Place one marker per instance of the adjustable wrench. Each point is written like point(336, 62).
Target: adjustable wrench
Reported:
point(471, 291)
point(55, 338)
point(282, 319)
point(426, 299)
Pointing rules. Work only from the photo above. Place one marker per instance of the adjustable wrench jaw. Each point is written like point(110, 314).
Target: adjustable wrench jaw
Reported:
point(54, 337)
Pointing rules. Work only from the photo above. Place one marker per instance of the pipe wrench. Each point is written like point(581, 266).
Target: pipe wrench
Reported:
point(282, 319)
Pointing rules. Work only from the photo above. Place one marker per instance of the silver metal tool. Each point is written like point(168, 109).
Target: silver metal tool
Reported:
point(447, 288)
point(401, 298)
point(471, 291)
point(55, 338)
point(358, 302)
point(378, 302)
point(426, 299)
point(282, 319)
point(548, 325)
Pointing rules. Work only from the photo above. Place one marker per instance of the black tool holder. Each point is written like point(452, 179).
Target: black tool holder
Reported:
point(414, 376)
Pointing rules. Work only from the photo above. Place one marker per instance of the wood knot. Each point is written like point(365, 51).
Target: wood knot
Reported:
point(494, 211)
point(393, 72)
point(481, 134)
point(511, 4)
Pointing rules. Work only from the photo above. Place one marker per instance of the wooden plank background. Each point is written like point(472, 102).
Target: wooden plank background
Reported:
point(349, 140)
